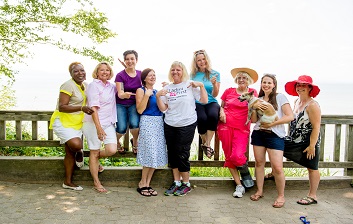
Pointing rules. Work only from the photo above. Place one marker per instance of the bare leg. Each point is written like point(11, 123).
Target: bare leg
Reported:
point(176, 174)
point(235, 175)
point(260, 160)
point(185, 176)
point(71, 147)
point(94, 156)
point(209, 136)
point(276, 159)
point(314, 180)
point(120, 148)
point(135, 133)
point(93, 168)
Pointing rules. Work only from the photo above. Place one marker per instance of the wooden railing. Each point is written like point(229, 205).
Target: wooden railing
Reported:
point(341, 151)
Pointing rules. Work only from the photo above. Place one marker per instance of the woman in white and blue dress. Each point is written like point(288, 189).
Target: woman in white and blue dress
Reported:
point(152, 151)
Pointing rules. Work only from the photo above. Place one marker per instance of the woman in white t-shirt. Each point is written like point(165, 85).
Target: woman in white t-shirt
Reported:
point(270, 138)
point(178, 101)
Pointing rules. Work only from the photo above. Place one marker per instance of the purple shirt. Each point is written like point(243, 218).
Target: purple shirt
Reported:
point(102, 96)
point(130, 85)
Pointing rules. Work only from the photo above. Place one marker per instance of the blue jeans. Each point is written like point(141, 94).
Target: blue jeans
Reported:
point(127, 114)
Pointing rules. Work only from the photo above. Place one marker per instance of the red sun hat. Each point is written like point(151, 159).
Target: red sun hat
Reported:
point(291, 90)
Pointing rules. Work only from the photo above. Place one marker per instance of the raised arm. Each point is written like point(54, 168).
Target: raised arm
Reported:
point(142, 98)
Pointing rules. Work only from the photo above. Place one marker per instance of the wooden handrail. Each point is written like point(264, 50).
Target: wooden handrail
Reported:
point(341, 124)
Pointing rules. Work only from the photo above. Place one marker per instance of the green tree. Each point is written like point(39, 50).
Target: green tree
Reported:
point(24, 23)
point(7, 95)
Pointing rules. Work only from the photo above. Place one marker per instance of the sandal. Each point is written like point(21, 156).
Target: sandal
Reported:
point(121, 150)
point(256, 197)
point(134, 148)
point(307, 201)
point(79, 156)
point(144, 191)
point(269, 176)
point(100, 189)
point(152, 191)
point(278, 204)
point(208, 151)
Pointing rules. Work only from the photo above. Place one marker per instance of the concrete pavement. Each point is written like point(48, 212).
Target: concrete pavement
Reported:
point(49, 203)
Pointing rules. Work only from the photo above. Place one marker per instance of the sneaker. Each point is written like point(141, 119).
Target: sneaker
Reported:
point(182, 190)
point(239, 191)
point(171, 189)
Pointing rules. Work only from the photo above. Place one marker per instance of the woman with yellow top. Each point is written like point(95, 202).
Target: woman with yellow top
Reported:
point(66, 121)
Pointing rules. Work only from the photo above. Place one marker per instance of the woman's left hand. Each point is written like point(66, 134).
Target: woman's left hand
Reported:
point(101, 134)
point(195, 84)
point(214, 79)
point(266, 125)
point(310, 152)
point(87, 110)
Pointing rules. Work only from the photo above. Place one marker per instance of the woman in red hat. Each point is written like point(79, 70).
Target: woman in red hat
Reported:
point(305, 128)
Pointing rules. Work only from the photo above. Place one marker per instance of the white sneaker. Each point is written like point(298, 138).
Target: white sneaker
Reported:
point(239, 191)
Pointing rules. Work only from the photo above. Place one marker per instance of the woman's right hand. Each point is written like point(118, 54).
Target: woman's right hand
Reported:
point(87, 110)
point(128, 95)
point(162, 92)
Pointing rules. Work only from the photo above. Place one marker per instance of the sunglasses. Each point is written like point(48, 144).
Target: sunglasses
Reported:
point(199, 52)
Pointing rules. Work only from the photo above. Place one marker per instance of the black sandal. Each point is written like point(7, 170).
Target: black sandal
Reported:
point(209, 152)
point(121, 150)
point(144, 191)
point(152, 191)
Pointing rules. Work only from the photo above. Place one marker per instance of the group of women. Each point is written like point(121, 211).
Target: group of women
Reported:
point(163, 123)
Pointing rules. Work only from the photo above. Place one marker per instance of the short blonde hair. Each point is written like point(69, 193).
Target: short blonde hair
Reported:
point(250, 80)
point(72, 65)
point(95, 71)
point(185, 76)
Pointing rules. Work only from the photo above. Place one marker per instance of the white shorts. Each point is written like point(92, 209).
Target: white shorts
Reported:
point(65, 134)
point(93, 142)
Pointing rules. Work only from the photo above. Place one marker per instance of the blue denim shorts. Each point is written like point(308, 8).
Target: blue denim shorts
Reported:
point(267, 139)
point(127, 114)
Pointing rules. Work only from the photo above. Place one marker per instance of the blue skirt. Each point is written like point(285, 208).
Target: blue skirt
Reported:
point(152, 150)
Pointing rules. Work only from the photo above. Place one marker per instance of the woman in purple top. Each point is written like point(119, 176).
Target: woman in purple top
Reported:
point(100, 126)
point(127, 82)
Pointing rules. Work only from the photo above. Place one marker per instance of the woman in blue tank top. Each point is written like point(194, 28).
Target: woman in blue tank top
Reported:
point(152, 151)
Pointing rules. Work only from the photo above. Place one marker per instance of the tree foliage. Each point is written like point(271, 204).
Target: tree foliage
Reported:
point(24, 23)
point(7, 96)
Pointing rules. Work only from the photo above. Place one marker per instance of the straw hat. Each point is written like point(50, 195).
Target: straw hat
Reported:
point(252, 73)
point(290, 86)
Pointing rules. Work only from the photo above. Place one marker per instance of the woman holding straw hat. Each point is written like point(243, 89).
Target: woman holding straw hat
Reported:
point(305, 128)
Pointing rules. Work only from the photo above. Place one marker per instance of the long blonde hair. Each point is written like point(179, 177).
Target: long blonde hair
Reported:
point(195, 68)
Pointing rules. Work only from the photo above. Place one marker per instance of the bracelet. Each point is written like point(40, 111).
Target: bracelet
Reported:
point(81, 108)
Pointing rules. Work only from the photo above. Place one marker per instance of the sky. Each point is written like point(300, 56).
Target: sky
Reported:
point(287, 38)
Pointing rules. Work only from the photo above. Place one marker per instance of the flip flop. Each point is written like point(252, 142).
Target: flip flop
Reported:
point(144, 191)
point(256, 197)
point(152, 191)
point(121, 150)
point(100, 189)
point(307, 201)
point(278, 204)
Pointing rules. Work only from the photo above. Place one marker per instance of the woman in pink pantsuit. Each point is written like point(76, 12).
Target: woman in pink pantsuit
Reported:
point(232, 129)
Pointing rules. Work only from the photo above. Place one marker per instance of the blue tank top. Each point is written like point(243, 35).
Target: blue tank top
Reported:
point(152, 108)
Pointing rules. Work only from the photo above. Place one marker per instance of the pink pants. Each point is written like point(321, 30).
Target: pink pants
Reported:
point(234, 144)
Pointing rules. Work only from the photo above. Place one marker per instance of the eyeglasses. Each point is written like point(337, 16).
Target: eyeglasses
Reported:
point(241, 77)
point(199, 52)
